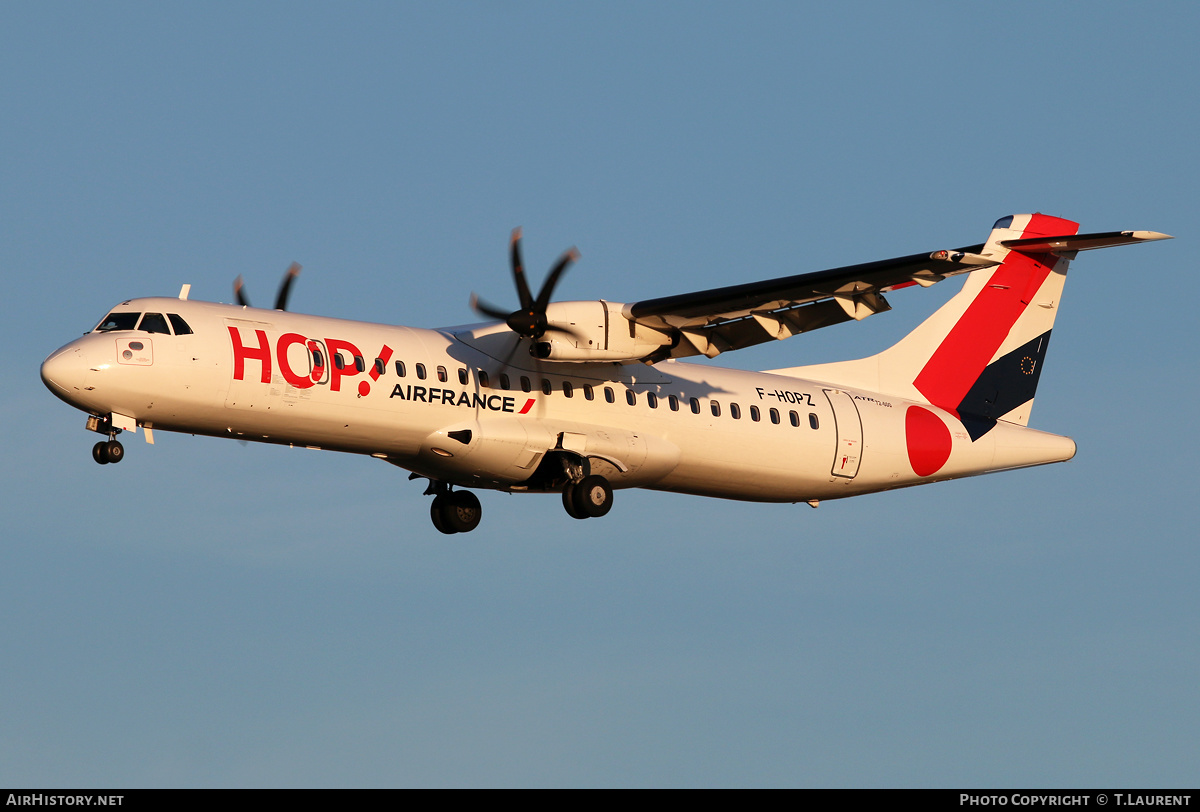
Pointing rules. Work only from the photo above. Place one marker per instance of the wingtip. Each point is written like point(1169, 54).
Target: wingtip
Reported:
point(1150, 235)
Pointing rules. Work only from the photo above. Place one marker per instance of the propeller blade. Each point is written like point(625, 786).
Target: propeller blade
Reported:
point(507, 362)
point(285, 286)
point(484, 309)
point(238, 295)
point(528, 321)
point(543, 299)
point(518, 270)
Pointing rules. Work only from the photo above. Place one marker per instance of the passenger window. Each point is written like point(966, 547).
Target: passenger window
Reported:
point(318, 360)
point(526, 386)
point(181, 326)
point(462, 375)
point(812, 420)
point(503, 381)
point(400, 369)
point(630, 397)
point(546, 388)
point(568, 390)
point(484, 380)
point(775, 416)
point(795, 418)
point(380, 367)
point(154, 323)
point(609, 396)
point(674, 402)
point(118, 321)
point(735, 411)
point(337, 361)
point(421, 371)
point(360, 363)
point(754, 415)
point(588, 393)
point(695, 404)
point(652, 399)
point(716, 408)
point(443, 376)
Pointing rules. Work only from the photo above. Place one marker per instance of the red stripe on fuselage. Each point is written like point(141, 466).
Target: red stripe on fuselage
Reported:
point(969, 346)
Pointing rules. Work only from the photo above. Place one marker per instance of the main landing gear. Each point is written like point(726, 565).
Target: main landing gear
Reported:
point(589, 498)
point(460, 511)
point(455, 511)
point(584, 495)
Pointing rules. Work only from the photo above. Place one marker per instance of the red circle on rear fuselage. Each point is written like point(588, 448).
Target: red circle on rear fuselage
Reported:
point(929, 441)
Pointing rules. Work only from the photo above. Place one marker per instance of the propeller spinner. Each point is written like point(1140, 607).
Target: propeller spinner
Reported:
point(285, 288)
point(530, 320)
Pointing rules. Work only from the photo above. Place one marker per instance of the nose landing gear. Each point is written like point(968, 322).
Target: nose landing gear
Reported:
point(104, 453)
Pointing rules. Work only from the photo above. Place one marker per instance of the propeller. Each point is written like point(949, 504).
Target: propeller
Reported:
point(530, 320)
point(285, 288)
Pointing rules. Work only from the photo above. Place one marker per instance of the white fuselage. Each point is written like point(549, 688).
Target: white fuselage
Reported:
point(472, 408)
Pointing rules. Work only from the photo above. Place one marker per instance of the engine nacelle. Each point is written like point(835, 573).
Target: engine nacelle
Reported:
point(593, 332)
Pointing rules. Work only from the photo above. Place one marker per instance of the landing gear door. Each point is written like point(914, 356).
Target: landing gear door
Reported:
point(849, 433)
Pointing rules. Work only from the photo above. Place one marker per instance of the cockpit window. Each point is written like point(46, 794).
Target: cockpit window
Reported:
point(154, 323)
point(181, 326)
point(118, 321)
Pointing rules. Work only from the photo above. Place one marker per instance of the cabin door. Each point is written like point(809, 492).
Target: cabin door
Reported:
point(849, 433)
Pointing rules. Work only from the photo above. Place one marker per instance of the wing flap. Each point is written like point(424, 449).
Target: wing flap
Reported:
point(737, 316)
point(736, 301)
point(758, 328)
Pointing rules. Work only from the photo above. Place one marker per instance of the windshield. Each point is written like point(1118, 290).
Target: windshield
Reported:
point(117, 321)
point(154, 323)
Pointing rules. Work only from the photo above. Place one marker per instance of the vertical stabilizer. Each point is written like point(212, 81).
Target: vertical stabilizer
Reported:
point(980, 355)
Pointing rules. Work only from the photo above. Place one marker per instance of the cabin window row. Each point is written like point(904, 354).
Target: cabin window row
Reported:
point(589, 393)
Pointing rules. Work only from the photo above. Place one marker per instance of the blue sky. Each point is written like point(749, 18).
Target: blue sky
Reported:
point(212, 614)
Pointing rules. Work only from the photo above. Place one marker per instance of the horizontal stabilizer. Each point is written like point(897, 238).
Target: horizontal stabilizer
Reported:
point(980, 356)
point(1081, 242)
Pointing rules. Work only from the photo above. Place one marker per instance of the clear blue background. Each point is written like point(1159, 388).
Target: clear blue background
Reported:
point(211, 614)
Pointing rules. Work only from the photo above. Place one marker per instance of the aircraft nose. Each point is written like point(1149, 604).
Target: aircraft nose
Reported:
point(63, 372)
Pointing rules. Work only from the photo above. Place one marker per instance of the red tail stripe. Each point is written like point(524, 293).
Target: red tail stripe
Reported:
point(973, 340)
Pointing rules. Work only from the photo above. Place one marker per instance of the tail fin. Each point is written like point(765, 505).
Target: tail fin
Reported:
point(980, 355)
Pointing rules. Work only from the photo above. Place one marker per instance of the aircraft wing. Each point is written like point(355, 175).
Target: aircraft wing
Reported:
point(713, 321)
point(730, 318)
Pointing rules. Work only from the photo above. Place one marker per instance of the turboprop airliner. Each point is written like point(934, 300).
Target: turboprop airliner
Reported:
point(581, 398)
